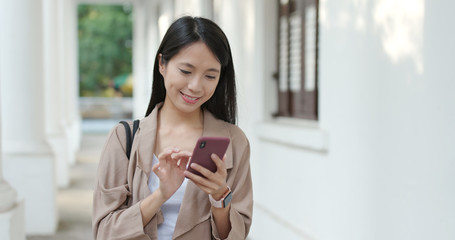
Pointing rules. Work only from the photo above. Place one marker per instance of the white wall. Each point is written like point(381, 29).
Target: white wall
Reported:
point(416, 124)
point(378, 163)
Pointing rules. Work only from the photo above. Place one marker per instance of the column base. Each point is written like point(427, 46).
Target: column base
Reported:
point(63, 154)
point(32, 175)
point(65, 146)
point(12, 222)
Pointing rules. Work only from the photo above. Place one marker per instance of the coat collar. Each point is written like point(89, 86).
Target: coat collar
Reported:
point(147, 137)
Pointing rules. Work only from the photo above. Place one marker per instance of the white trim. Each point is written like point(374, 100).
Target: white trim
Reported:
point(294, 133)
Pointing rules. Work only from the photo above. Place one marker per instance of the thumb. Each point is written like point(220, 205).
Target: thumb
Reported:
point(156, 170)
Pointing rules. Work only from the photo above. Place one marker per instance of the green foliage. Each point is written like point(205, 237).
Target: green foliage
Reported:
point(105, 47)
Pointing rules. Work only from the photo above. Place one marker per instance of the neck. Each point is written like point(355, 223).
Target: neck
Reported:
point(170, 116)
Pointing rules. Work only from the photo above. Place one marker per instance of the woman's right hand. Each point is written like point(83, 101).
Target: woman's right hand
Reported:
point(170, 170)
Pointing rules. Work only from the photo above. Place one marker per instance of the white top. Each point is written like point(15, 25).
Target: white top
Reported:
point(170, 208)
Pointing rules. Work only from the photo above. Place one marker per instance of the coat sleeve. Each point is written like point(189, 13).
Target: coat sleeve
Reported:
point(112, 218)
point(239, 180)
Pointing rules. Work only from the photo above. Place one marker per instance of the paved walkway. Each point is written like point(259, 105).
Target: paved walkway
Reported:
point(75, 202)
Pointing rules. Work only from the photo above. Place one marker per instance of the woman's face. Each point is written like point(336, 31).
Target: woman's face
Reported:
point(190, 77)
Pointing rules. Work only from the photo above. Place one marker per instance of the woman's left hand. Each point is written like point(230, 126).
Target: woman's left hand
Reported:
point(214, 183)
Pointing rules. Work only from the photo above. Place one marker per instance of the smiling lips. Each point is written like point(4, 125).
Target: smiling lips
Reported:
point(189, 99)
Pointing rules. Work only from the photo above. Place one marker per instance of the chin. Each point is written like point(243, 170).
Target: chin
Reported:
point(189, 108)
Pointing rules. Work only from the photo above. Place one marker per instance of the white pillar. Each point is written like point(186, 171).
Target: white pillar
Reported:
point(196, 8)
point(166, 15)
point(11, 209)
point(241, 34)
point(68, 30)
point(12, 222)
point(146, 41)
point(56, 94)
point(28, 161)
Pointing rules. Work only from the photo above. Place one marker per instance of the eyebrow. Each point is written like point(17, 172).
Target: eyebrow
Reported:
point(210, 69)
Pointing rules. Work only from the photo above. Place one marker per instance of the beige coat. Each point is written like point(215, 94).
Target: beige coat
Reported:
point(121, 185)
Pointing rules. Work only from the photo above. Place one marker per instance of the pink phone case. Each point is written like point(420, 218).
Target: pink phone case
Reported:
point(205, 146)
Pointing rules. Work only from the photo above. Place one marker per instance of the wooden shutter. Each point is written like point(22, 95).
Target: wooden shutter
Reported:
point(297, 58)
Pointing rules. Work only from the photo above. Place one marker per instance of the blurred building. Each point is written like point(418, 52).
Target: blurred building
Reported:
point(347, 105)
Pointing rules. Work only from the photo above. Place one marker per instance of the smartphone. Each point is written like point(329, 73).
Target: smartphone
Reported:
point(205, 146)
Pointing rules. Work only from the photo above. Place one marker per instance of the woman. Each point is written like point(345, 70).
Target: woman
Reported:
point(151, 195)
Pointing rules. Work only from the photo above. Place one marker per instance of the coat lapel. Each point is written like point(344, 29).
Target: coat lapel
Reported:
point(147, 139)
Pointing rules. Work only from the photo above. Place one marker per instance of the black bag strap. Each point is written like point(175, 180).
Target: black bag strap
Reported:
point(135, 127)
point(129, 138)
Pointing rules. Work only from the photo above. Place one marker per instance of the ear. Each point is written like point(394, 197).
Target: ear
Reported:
point(161, 64)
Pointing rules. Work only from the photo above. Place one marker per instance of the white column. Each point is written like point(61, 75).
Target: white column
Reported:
point(196, 8)
point(241, 34)
point(28, 161)
point(166, 15)
point(12, 222)
point(11, 208)
point(142, 86)
point(55, 92)
point(146, 41)
point(68, 30)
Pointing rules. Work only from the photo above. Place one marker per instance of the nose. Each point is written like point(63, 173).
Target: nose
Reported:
point(195, 84)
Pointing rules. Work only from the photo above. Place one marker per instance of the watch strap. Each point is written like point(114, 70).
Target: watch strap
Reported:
point(224, 201)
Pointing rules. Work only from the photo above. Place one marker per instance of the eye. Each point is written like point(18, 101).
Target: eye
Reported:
point(184, 71)
point(210, 76)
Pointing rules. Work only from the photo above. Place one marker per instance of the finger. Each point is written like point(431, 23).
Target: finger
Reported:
point(202, 170)
point(183, 163)
point(220, 164)
point(181, 154)
point(180, 159)
point(156, 170)
point(200, 181)
point(203, 188)
point(205, 185)
point(165, 154)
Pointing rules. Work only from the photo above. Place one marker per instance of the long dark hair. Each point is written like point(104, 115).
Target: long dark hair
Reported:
point(187, 30)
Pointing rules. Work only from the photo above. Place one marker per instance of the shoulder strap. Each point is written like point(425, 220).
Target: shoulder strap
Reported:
point(129, 138)
point(135, 127)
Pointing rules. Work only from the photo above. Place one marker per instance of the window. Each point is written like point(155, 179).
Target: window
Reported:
point(297, 59)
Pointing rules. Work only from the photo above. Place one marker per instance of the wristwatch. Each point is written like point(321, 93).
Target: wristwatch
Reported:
point(224, 201)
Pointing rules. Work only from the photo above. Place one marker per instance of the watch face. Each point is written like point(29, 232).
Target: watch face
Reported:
point(227, 199)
